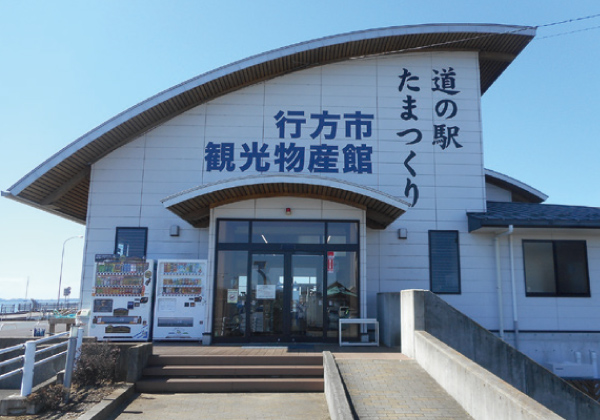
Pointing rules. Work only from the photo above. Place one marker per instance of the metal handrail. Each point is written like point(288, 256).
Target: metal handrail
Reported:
point(13, 348)
point(50, 358)
point(73, 344)
point(50, 338)
point(11, 373)
point(50, 348)
point(10, 361)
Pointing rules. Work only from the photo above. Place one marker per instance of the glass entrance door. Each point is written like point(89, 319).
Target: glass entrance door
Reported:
point(284, 281)
point(286, 300)
point(306, 306)
point(267, 303)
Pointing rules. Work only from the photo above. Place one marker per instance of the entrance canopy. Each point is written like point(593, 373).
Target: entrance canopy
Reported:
point(194, 205)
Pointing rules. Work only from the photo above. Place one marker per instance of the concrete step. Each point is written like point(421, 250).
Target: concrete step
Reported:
point(216, 360)
point(234, 370)
point(206, 385)
point(233, 373)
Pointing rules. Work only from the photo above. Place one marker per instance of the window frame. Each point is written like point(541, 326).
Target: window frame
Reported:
point(555, 267)
point(120, 228)
point(458, 289)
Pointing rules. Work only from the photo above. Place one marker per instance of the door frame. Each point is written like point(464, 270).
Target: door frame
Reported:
point(282, 248)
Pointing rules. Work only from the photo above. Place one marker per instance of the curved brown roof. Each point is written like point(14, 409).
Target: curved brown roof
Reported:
point(60, 184)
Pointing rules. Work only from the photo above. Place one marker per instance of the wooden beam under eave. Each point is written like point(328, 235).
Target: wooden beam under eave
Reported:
point(66, 187)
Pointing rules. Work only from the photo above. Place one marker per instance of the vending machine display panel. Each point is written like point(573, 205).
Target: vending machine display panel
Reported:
point(179, 311)
point(122, 304)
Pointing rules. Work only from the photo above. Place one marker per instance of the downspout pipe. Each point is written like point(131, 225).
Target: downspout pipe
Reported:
point(499, 280)
point(514, 291)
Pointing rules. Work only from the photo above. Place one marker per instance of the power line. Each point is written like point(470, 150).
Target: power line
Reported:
point(569, 21)
point(521, 29)
point(567, 33)
point(562, 22)
point(455, 41)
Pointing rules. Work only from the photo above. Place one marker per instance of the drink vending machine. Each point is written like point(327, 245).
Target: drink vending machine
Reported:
point(180, 307)
point(122, 299)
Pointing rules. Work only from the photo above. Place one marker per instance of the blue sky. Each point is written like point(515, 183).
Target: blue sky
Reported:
point(68, 66)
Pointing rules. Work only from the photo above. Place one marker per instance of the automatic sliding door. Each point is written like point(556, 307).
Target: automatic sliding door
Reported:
point(285, 280)
point(267, 297)
point(230, 294)
point(286, 295)
point(306, 308)
point(342, 291)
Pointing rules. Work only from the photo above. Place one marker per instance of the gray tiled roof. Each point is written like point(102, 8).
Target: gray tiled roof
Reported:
point(501, 214)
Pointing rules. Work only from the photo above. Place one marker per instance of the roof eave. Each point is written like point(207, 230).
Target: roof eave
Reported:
point(477, 224)
point(514, 185)
point(47, 209)
point(71, 160)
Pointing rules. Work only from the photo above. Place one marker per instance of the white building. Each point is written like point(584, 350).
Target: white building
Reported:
point(315, 176)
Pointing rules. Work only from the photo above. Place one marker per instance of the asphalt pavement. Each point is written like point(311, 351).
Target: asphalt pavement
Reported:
point(10, 328)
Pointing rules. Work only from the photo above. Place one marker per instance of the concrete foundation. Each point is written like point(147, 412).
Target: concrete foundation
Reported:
point(335, 394)
point(481, 394)
point(388, 315)
point(423, 311)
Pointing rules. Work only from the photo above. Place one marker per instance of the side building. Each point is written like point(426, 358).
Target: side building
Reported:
point(313, 177)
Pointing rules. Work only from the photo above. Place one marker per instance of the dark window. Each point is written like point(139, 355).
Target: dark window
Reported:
point(285, 232)
point(342, 233)
point(131, 242)
point(556, 268)
point(234, 231)
point(444, 261)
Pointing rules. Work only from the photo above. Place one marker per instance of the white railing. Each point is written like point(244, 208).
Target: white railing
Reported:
point(15, 308)
point(73, 348)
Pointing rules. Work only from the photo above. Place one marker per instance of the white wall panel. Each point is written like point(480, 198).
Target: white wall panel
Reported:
point(177, 130)
point(119, 208)
point(494, 193)
point(119, 175)
point(121, 187)
point(163, 142)
point(166, 153)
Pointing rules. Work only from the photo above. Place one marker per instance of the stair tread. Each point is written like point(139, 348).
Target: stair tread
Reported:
point(236, 367)
point(161, 360)
point(227, 380)
point(252, 385)
point(233, 373)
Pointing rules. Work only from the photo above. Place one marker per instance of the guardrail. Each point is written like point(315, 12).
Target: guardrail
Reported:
point(73, 349)
point(16, 308)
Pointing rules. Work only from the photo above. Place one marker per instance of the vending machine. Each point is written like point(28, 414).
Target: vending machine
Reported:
point(122, 299)
point(180, 307)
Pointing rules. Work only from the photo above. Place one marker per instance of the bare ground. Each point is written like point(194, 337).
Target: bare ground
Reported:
point(81, 400)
